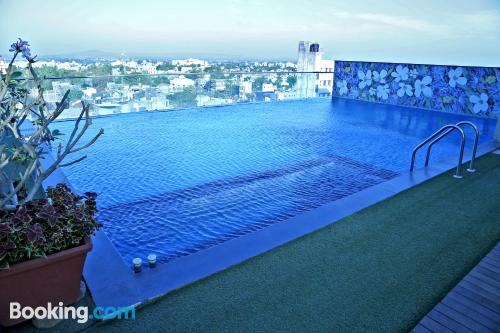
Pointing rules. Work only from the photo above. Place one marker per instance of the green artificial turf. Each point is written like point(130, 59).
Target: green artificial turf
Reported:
point(381, 269)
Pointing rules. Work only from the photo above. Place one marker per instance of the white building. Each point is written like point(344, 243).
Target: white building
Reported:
point(72, 66)
point(181, 82)
point(3, 66)
point(311, 60)
point(159, 102)
point(148, 67)
point(89, 92)
point(268, 87)
point(218, 85)
point(324, 83)
point(245, 87)
point(190, 62)
point(51, 96)
point(204, 100)
point(165, 88)
point(285, 95)
point(69, 65)
point(202, 80)
point(131, 64)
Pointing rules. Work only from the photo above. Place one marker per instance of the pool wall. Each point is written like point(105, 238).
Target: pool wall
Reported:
point(456, 89)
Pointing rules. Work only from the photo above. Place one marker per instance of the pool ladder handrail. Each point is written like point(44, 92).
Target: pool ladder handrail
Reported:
point(474, 149)
point(448, 128)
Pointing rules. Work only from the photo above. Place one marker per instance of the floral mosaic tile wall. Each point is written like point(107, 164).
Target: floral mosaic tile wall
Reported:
point(469, 90)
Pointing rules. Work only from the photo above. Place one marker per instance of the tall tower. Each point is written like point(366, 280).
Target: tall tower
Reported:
point(311, 60)
point(308, 60)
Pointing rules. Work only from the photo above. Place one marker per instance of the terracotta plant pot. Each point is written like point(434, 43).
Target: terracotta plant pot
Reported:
point(36, 282)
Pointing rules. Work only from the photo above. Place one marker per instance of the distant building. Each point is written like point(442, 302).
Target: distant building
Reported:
point(3, 66)
point(324, 82)
point(203, 100)
point(245, 87)
point(59, 88)
point(284, 95)
point(50, 96)
point(89, 92)
point(190, 62)
point(310, 59)
point(266, 96)
point(202, 80)
point(165, 88)
point(268, 87)
point(244, 90)
point(115, 71)
point(181, 82)
point(216, 85)
point(148, 67)
point(158, 102)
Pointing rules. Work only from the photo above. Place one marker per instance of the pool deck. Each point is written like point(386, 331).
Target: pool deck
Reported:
point(473, 305)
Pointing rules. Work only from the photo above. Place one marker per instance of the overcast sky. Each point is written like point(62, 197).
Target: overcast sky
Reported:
point(423, 31)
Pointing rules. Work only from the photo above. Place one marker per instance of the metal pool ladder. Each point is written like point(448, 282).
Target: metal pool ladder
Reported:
point(441, 133)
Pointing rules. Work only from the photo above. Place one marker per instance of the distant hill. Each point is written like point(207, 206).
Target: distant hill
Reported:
point(89, 54)
point(99, 54)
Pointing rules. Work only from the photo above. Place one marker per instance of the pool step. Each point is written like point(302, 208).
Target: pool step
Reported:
point(188, 220)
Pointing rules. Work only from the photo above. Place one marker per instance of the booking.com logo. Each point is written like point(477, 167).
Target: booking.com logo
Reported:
point(80, 313)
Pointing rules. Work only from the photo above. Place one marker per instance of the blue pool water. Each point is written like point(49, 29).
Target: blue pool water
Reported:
point(173, 183)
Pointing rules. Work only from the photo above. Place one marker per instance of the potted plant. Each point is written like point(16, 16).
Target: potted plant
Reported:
point(44, 233)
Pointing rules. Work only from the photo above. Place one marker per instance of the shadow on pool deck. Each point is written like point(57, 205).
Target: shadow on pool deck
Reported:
point(381, 269)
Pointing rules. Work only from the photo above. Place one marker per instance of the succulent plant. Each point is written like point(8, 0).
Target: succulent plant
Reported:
point(41, 227)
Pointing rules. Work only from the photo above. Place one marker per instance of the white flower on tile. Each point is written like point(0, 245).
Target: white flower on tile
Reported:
point(383, 91)
point(342, 87)
point(405, 89)
point(422, 87)
point(456, 77)
point(480, 102)
point(379, 76)
point(400, 74)
point(365, 79)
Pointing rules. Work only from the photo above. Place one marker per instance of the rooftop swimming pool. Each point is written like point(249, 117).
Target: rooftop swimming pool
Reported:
point(174, 183)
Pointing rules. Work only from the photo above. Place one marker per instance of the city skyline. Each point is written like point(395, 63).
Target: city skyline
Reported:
point(395, 31)
point(178, 83)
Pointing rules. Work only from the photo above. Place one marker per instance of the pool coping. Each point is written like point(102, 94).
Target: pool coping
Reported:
point(112, 281)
